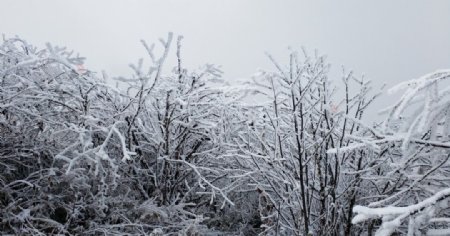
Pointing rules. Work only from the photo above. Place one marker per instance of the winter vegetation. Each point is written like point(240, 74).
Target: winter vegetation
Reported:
point(174, 151)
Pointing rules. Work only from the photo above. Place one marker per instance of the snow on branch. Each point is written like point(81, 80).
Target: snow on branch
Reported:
point(393, 216)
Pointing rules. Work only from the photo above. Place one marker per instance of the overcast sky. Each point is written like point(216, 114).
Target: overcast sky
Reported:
point(389, 41)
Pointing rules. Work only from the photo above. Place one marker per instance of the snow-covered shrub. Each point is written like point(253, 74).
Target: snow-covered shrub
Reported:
point(173, 151)
point(303, 189)
point(56, 127)
point(411, 177)
point(81, 157)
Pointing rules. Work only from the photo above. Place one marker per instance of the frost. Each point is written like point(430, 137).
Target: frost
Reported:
point(182, 152)
point(24, 215)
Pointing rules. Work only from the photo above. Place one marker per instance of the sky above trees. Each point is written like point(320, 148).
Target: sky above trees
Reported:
point(387, 41)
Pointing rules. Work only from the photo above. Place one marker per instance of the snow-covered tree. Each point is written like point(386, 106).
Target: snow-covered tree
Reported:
point(173, 151)
point(60, 145)
point(303, 189)
point(81, 157)
point(411, 178)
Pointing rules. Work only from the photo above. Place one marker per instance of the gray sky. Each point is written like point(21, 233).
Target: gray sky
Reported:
point(389, 41)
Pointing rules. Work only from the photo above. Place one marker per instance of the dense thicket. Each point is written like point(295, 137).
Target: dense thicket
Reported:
point(182, 153)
